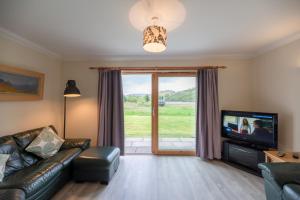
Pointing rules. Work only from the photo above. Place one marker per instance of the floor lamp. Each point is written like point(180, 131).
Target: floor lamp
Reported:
point(71, 90)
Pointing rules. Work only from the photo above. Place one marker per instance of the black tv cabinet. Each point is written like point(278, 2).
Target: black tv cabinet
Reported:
point(243, 156)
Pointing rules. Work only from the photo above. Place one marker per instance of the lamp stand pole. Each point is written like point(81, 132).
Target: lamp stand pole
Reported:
point(65, 99)
point(70, 91)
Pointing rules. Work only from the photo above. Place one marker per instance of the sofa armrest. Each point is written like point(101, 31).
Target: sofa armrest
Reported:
point(291, 192)
point(281, 173)
point(76, 143)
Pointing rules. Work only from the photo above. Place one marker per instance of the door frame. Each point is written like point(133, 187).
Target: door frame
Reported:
point(154, 112)
point(155, 94)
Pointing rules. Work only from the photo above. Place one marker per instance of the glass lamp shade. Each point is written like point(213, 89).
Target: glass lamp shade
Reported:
point(71, 89)
point(155, 39)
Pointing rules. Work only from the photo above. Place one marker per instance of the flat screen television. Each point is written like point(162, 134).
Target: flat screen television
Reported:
point(253, 127)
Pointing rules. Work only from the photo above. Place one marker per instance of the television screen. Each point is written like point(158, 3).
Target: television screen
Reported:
point(254, 127)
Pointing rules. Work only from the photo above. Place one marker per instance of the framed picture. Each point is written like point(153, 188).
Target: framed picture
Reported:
point(20, 85)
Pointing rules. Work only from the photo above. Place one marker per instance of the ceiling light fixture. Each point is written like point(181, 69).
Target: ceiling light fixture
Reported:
point(155, 38)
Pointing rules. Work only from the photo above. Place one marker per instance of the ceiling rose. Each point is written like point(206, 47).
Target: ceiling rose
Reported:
point(171, 13)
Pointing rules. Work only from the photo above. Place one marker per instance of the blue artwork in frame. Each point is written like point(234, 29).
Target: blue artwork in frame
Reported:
point(20, 84)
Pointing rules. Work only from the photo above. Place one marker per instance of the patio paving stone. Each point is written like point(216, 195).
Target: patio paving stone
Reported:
point(143, 145)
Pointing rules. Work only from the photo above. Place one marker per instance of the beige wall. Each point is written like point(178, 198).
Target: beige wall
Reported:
point(82, 112)
point(266, 83)
point(22, 115)
point(276, 88)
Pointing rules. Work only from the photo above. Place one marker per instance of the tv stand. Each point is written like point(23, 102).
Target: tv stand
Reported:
point(247, 144)
point(244, 156)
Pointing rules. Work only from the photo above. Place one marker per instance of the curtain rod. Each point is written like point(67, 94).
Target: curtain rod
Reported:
point(160, 68)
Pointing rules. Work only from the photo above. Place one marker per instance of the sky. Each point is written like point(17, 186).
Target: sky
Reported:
point(141, 84)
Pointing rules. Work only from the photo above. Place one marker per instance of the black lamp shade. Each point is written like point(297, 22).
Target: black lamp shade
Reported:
point(71, 90)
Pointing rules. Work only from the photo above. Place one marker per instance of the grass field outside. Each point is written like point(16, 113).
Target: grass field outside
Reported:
point(175, 120)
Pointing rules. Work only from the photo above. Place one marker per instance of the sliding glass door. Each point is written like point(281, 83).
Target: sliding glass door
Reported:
point(174, 108)
point(159, 111)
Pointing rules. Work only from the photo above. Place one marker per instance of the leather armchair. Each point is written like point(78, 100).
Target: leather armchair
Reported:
point(282, 180)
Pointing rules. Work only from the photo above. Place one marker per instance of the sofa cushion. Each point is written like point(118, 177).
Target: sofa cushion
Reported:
point(65, 156)
point(3, 160)
point(81, 143)
point(12, 194)
point(33, 178)
point(29, 158)
point(23, 139)
point(46, 144)
point(15, 161)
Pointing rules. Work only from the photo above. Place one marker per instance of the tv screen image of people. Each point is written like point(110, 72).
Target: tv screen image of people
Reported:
point(257, 128)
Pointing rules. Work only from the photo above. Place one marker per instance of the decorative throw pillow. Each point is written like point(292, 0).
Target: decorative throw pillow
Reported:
point(23, 139)
point(46, 144)
point(3, 160)
point(15, 161)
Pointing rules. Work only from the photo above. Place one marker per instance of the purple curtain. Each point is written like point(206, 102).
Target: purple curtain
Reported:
point(110, 106)
point(208, 138)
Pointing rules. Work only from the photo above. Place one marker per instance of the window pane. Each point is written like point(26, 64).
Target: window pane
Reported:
point(176, 113)
point(137, 113)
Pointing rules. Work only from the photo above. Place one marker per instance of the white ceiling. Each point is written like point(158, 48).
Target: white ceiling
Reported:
point(101, 28)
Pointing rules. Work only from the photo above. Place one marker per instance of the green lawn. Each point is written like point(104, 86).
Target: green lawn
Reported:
point(174, 120)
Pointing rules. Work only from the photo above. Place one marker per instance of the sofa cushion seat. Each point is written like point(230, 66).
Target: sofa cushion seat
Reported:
point(65, 156)
point(33, 178)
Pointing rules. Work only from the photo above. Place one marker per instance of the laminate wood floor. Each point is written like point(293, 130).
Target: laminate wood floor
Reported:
point(148, 177)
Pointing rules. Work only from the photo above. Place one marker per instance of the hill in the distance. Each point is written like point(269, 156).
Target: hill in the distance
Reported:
point(166, 92)
point(184, 95)
point(188, 95)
